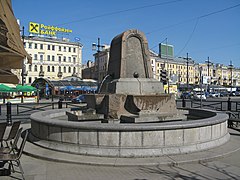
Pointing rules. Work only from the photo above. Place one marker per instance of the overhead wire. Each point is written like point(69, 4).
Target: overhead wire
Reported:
point(195, 26)
point(190, 37)
point(121, 11)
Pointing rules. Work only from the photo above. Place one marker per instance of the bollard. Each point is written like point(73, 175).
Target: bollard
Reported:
point(9, 113)
point(183, 102)
point(229, 104)
point(60, 104)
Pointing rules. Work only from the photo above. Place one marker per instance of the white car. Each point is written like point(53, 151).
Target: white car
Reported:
point(199, 95)
point(213, 94)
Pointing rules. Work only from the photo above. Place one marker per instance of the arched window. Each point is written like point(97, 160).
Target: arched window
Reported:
point(69, 69)
point(53, 69)
point(48, 68)
point(35, 68)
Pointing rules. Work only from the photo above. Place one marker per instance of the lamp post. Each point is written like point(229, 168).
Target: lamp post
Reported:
point(99, 47)
point(167, 66)
point(208, 66)
point(200, 74)
point(23, 65)
point(23, 74)
point(187, 73)
point(231, 68)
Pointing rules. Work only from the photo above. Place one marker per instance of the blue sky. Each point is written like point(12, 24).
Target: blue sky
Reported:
point(201, 28)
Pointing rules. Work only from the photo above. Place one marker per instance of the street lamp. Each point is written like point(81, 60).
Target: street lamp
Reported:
point(231, 68)
point(208, 65)
point(187, 73)
point(200, 74)
point(97, 47)
point(23, 65)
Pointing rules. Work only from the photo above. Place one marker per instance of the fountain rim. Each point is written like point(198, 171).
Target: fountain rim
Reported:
point(46, 117)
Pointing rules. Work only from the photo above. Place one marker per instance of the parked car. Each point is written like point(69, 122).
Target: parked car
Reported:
point(214, 94)
point(186, 95)
point(234, 93)
point(78, 99)
point(224, 94)
point(199, 95)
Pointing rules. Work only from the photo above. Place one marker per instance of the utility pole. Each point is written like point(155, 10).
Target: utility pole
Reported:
point(200, 70)
point(187, 73)
point(231, 68)
point(99, 47)
point(168, 74)
point(23, 65)
point(208, 66)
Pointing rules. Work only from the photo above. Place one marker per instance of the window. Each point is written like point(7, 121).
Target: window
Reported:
point(69, 69)
point(35, 56)
point(69, 49)
point(30, 45)
point(35, 46)
point(59, 58)
point(48, 47)
point(53, 58)
point(53, 69)
point(48, 57)
point(64, 49)
point(74, 50)
point(30, 80)
point(41, 57)
point(41, 46)
point(48, 69)
point(35, 68)
point(74, 69)
point(74, 60)
point(64, 58)
point(30, 67)
point(59, 69)
point(53, 47)
point(59, 48)
point(69, 59)
point(41, 68)
point(64, 69)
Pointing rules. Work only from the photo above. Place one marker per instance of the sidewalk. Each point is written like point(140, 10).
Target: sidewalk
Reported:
point(219, 163)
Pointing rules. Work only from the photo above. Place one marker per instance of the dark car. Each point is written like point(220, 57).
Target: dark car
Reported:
point(78, 99)
point(224, 94)
point(186, 95)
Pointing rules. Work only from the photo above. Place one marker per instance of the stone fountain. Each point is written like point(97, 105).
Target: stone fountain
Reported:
point(131, 116)
point(129, 93)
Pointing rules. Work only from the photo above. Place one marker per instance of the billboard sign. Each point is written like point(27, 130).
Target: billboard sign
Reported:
point(166, 51)
point(48, 30)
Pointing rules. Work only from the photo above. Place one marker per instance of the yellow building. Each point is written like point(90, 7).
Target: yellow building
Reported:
point(52, 58)
point(176, 68)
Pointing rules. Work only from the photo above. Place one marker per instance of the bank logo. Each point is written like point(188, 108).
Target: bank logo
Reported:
point(34, 28)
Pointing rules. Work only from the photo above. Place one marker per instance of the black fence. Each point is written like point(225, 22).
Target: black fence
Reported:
point(9, 112)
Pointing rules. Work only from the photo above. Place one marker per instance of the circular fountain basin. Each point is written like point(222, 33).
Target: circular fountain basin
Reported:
point(129, 140)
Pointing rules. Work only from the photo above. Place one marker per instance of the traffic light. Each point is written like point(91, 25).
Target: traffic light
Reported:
point(164, 77)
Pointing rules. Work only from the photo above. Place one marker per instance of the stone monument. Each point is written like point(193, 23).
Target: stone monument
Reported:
point(129, 96)
point(129, 93)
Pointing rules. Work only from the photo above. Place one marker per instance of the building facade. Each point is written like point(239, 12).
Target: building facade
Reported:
point(181, 70)
point(52, 58)
point(101, 62)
